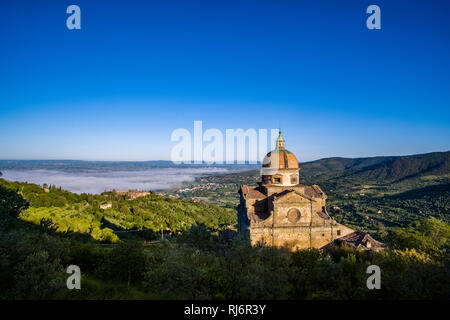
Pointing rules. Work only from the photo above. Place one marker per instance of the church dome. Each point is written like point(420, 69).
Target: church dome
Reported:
point(280, 167)
point(280, 158)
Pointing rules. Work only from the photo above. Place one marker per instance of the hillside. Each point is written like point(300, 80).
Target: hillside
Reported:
point(108, 217)
point(437, 163)
point(380, 168)
point(338, 165)
point(114, 239)
point(368, 191)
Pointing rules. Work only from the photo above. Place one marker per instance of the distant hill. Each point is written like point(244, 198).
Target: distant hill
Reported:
point(387, 168)
point(339, 165)
point(436, 163)
point(379, 169)
point(105, 166)
point(390, 168)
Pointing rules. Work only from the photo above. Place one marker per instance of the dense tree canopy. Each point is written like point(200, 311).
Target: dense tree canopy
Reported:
point(38, 243)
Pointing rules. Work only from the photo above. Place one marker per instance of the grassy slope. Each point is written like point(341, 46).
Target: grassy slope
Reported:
point(67, 212)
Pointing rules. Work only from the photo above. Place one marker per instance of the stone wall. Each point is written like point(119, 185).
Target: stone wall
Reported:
point(298, 237)
point(303, 229)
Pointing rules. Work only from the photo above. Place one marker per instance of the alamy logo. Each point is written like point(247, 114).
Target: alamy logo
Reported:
point(211, 147)
point(374, 20)
point(73, 281)
point(74, 20)
point(374, 280)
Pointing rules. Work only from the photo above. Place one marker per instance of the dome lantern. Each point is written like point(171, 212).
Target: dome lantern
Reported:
point(280, 141)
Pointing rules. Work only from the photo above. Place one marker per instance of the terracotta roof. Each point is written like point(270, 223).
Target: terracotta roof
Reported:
point(360, 240)
point(278, 195)
point(282, 193)
point(314, 191)
point(252, 193)
point(258, 216)
point(323, 214)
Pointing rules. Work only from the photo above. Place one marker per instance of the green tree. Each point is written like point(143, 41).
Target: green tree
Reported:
point(11, 203)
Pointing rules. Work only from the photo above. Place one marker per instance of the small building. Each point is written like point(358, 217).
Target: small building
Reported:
point(131, 194)
point(359, 240)
point(105, 206)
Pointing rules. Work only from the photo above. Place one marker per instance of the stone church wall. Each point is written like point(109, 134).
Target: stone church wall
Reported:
point(298, 237)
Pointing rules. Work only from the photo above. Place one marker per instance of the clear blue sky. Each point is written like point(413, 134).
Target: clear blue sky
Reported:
point(137, 70)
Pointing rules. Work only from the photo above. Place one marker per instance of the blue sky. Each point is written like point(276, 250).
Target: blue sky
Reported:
point(137, 70)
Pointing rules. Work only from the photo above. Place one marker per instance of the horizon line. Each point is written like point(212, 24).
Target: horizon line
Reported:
point(224, 163)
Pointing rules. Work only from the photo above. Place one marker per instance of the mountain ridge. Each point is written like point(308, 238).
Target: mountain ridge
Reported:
point(388, 168)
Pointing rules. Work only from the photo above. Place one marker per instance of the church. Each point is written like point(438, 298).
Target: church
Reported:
point(283, 213)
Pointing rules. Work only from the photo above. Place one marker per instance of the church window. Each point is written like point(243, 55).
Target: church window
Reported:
point(338, 232)
point(277, 180)
point(293, 179)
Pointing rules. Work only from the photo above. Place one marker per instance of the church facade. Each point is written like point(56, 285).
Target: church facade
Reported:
point(283, 213)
